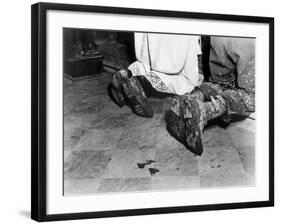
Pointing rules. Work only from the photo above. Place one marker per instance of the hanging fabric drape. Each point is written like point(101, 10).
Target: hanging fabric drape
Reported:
point(168, 61)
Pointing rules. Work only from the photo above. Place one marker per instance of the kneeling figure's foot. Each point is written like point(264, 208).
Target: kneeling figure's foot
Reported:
point(186, 123)
point(136, 97)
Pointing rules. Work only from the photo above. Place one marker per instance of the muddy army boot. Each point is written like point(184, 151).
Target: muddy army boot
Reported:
point(137, 97)
point(188, 126)
point(116, 88)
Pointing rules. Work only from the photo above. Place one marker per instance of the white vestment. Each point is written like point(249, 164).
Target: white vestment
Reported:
point(168, 61)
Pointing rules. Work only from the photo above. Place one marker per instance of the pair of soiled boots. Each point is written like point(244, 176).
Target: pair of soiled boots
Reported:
point(188, 114)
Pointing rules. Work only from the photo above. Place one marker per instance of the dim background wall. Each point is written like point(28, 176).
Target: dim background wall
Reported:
point(15, 110)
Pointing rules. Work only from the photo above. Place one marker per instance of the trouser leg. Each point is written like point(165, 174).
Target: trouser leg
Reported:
point(239, 102)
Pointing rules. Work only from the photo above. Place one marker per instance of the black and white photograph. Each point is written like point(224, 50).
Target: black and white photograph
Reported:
point(144, 111)
point(140, 112)
point(157, 111)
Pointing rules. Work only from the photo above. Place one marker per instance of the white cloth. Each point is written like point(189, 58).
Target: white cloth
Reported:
point(168, 61)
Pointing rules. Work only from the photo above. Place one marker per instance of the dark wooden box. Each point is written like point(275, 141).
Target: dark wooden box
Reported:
point(83, 65)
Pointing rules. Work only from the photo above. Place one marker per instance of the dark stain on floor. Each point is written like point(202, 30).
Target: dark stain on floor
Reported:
point(153, 171)
point(148, 162)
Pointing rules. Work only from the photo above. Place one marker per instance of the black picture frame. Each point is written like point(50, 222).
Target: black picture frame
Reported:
point(39, 122)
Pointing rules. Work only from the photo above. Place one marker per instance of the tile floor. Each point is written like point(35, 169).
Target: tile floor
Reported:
point(110, 149)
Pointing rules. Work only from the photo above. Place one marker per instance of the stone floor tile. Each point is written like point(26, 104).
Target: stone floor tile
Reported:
point(110, 120)
point(226, 180)
point(175, 160)
point(99, 139)
point(166, 141)
point(247, 157)
point(216, 136)
point(73, 131)
point(85, 106)
point(86, 164)
point(144, 136)
point(137, 122)
point(175, 182)
point(220, 160)
point(81, 186)
point(247, 124)
point(124, 163)
point(125, 184)
point(242, 138)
